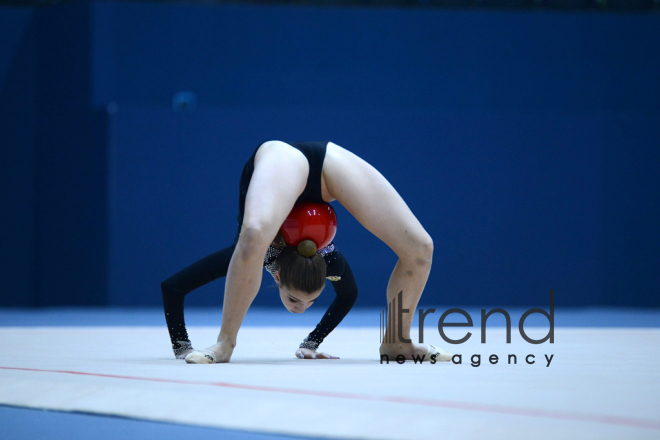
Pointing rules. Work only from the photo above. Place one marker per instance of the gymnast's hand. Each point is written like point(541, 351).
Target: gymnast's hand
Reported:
point(183, 354)
point(306, 353)
point(216, 353)
point(182, 348)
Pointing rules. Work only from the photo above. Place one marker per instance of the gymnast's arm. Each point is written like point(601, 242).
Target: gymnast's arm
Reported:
point(346, 289)
point(176, 287)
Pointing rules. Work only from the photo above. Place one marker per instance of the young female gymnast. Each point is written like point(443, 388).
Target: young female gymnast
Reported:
point(277, 176)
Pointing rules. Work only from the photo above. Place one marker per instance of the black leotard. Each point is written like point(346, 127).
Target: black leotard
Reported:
point(215, 266)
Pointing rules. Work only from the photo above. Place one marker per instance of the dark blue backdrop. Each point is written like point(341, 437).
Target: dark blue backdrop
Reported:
point(526, 143)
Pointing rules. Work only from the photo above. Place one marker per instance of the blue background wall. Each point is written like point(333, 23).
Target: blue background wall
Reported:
point(17, 107)
point(526, 143)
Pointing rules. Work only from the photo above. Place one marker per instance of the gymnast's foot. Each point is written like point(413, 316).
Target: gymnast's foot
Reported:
point(201, 357)
point(440, 354)
point(408, 350)
point(216, 353)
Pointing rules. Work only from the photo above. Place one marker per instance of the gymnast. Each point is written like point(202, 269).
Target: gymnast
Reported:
point(276, 177)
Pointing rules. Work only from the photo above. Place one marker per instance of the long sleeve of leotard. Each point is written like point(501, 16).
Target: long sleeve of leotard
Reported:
point(345, 288)
point(216, 265)
point(176, 287)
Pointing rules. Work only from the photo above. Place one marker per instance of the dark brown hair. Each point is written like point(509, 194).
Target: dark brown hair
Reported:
point(298, 272)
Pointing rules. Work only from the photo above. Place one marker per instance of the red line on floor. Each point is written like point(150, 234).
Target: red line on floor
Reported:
point(498, 409)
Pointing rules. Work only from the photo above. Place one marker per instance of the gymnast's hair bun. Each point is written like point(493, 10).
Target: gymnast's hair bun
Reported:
point(307, 248)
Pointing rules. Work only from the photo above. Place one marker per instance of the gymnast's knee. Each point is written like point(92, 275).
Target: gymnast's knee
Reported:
point(420, 251)
point(253, 240)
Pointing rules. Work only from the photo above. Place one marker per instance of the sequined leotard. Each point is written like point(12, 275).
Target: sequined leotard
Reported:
point(215, 266)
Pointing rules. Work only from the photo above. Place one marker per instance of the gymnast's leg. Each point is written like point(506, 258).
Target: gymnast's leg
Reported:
point(280, 175)
point(372, 200)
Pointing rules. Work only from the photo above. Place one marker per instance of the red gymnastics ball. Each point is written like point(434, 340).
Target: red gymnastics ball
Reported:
point(310, 221)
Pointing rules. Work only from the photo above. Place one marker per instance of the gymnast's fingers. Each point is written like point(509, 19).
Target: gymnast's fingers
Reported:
point(325, 356)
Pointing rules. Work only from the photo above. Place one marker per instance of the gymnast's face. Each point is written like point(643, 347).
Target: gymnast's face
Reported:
point(296, 301)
